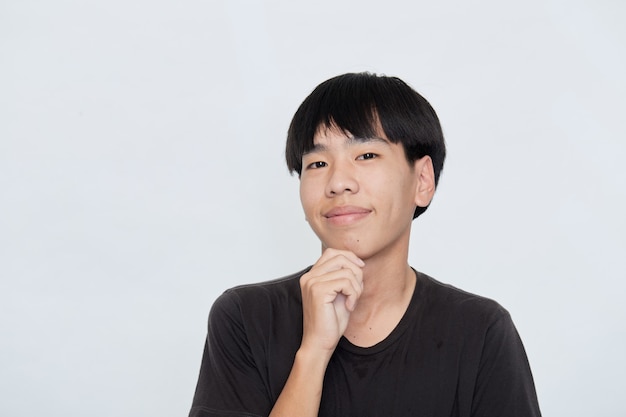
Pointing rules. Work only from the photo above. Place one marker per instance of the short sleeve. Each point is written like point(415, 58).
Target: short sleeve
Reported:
point(504, 385)
point(229, 383)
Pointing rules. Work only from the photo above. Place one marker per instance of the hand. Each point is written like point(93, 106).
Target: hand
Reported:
point(330, 291)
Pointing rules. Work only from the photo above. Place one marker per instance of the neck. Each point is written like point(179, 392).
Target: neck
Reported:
point(387, 276)
point(387, 293)
point(385, 284)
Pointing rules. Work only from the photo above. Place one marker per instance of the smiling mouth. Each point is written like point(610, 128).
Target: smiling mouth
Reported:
point(346, 214)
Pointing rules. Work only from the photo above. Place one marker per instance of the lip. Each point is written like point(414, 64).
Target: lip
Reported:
point(343, 215)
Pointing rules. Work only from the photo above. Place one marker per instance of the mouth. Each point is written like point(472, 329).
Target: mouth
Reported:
point(346, 214)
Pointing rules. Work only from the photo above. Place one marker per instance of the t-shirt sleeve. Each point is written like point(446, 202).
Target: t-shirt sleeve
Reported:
point(229, 383)
point(504, 385)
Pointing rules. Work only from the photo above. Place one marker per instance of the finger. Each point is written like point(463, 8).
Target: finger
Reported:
point(334, 271)
point(331, 253)
point(336, 262)
point(326, 287)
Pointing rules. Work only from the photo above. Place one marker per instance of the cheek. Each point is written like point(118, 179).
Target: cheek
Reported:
point(306, 199)
point(397, 193)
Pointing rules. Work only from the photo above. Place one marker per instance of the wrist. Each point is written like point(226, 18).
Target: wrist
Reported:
point(312, 360)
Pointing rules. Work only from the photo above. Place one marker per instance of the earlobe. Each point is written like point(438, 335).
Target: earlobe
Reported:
point(425, 187)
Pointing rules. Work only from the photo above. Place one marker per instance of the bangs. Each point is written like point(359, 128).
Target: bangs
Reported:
point(367, 105)
point(347, 103)
point(352, 112)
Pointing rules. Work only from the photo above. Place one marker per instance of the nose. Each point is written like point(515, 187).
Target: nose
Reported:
point(341, 179)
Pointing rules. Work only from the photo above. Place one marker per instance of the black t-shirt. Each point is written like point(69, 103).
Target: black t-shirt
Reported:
point(452, 354)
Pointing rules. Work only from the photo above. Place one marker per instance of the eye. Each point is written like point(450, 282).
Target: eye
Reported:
point(316, 165)
point(368, 155)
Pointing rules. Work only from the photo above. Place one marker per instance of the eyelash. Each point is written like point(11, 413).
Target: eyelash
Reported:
point(316, 165)
point(321, 164)
point(368, 155)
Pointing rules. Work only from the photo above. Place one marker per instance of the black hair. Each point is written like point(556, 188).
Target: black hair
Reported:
point(360, 103)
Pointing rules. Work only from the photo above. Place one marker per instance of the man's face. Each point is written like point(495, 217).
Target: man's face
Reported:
point(359, 194)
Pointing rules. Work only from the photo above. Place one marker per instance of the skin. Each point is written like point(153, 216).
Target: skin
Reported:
point(358, 197)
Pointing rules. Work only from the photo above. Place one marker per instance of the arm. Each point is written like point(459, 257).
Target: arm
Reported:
point(504, 383)
point(330, 291)
point(229, 381)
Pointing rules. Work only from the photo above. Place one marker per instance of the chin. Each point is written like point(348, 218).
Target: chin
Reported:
point(353, 245)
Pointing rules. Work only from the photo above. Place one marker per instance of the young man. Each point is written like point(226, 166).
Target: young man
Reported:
point(361, 333)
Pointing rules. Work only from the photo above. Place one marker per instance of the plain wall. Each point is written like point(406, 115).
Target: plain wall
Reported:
point(142, 173)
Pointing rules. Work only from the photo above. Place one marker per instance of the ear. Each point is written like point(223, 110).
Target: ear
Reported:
point(425, 175)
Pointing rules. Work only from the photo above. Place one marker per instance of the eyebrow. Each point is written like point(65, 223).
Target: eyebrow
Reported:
point(350, 141)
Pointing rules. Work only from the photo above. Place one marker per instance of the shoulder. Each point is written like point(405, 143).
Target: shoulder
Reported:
point(456, 306)
point(281, 288)
point(481, 341)
point(256, 301)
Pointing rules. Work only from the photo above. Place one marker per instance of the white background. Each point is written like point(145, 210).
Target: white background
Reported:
point(142, 173)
